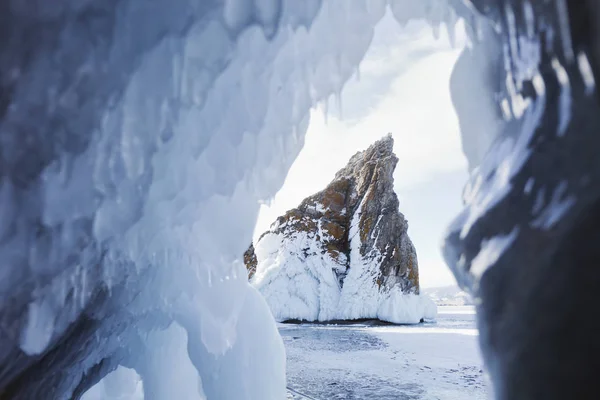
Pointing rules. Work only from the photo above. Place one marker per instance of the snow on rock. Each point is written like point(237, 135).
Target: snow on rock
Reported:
point(344, 253)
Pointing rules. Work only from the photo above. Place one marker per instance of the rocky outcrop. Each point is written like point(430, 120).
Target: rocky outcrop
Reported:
point(343, 253)
point(250, 261)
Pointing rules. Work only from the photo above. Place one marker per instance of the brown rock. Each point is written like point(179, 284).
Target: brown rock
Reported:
point(362, 192)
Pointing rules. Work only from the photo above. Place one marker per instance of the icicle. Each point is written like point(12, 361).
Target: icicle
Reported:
point(326, 110)
point(268, 12)
point(76, 289)
point(564, 112)
point(237, 14)
point(471, 33)
point(83, 287)
point(338, 100)
point(505, 107)
point(436, 12)
point(528, 186)
point(37, 334)
point(106, 272)
point(338, 69)
point(8, 211)
point(62, 283)
point(562, 14)
point(478, 28)
point(64, 164)
point(266, 202)
point(513, 46)
point(451, 20)
point(529, 19)
point(539, 85)
point(436, 30)
point(177, 68)
point(587, 75)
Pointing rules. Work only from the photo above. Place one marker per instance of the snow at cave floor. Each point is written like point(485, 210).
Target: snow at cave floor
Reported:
point(435, 360)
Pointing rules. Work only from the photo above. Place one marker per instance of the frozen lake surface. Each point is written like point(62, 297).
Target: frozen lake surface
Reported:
point(434, 360)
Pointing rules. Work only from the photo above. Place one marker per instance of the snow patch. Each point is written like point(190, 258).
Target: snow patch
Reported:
point(490, 252)
point(585, 69)
point(299, 281)
point(402, 308)
point(39, 329)
point(559, 205)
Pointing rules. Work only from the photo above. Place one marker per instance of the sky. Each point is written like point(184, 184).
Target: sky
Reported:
point(402, 87)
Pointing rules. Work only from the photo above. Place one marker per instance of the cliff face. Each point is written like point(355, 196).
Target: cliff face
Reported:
point(343, 253)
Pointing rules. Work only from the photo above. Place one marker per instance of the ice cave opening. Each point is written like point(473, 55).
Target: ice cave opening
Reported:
point(402, 86)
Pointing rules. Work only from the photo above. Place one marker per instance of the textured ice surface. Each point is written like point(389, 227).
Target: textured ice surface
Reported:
point(537, 93)
point(294, 288)
point(436, 360)
point(308, 288)
point(523, 243)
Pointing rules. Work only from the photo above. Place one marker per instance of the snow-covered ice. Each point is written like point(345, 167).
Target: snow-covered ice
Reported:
point(435, 360)
point(307, 288)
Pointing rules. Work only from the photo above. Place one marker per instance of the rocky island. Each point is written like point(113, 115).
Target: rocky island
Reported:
point(344, 253)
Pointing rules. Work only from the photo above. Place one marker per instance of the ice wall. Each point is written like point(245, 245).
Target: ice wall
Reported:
point(137, 141)
point(523, 244)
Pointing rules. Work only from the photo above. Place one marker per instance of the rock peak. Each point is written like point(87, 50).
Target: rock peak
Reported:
point(380, 151)
point(349, 240)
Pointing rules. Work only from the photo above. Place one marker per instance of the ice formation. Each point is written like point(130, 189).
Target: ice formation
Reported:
point(122, 383)
point(343, 253)
point(522, 245)
point(138, 138)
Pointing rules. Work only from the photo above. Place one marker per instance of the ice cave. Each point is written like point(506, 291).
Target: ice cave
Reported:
point(138, 140)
